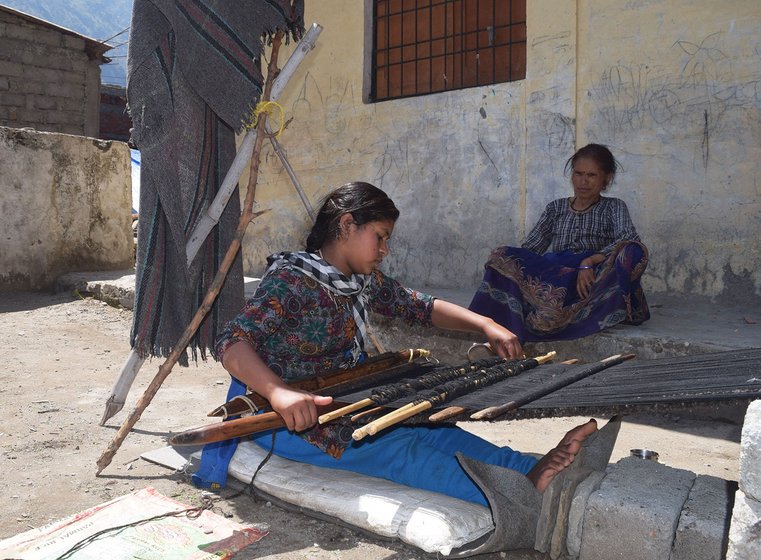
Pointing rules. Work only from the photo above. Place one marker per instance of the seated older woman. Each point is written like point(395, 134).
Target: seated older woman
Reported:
point(591, 278)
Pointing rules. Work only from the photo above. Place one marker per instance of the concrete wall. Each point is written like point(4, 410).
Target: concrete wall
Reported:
point(65, 204)
point(47, 79)
point(673, 88)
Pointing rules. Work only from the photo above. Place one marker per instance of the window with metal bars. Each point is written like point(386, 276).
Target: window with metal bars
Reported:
point(428, 46)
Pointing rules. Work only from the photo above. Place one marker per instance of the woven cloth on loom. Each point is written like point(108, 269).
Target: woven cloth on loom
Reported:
point(193, 80)
point(632, 386)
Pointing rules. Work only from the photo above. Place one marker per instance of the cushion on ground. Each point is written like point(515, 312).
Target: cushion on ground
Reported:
point(427, 520)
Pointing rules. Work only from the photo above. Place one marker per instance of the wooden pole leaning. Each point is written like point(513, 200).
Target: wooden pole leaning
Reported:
point(471, 382)
point(210, 218)
point(246, 217)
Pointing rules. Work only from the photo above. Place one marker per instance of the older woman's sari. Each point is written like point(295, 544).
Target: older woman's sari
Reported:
point(535, 295)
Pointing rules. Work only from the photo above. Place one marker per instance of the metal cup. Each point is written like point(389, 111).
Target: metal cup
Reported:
point(644, 454)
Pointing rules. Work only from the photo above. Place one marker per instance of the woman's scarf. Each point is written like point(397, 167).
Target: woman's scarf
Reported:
point(333, 280)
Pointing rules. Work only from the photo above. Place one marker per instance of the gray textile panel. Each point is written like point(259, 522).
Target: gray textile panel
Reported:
point(703, 530)
point(515, 506)
point(635, 512)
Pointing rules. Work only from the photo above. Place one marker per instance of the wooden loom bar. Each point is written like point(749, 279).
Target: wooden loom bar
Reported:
point(375, 366)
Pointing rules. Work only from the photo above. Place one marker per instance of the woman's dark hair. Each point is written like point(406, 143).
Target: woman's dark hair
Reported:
point(600, 154)
point(365, 202)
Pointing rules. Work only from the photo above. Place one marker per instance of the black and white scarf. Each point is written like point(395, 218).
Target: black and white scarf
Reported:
point(333, 280)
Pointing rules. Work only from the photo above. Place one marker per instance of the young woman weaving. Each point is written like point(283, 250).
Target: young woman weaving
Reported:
point(308, 317)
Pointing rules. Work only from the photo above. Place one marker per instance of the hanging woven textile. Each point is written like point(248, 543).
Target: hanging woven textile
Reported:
point(193, 81)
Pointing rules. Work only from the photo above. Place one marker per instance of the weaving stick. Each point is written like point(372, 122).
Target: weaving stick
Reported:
point(453, 411)
point(495, 411)
point(246, 217)
point(239, 427)
point(367, 412)
point(430, 380)
point(475, 381)
point(374, 366)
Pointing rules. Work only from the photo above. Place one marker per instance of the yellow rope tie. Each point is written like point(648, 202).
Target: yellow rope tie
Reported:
point(269, 108)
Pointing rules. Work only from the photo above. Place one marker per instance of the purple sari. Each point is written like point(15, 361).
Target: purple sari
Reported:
point(535, 296)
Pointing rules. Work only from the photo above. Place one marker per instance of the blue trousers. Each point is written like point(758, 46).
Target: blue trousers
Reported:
point(418, 456)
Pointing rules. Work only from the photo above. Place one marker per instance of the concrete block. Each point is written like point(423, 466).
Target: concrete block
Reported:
point(703, 530)
point(73, 43)
point(745, 529)
point(43, 74)
point(32, 86)
point(635, 512)
point(750, 452)
point(68, 90)
point(44, 102)
point(115, 287)
point(577, 510)
point(8, 68)
point(13, 99)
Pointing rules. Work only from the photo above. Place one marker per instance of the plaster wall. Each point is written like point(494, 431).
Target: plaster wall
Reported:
point(65, 203)
point(672, 88)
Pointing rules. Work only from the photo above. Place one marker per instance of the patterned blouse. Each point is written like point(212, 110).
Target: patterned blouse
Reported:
point(598, 229)
point(300, 330)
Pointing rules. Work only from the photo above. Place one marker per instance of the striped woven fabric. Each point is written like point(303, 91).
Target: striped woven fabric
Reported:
point(193, 80)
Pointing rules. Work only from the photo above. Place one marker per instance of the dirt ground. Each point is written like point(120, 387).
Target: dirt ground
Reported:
point(60, 357)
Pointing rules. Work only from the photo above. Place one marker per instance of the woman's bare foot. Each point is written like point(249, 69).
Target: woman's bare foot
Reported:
point(561, 456)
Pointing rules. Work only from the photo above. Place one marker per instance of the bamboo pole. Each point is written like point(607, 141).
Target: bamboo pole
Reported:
point(246, 217)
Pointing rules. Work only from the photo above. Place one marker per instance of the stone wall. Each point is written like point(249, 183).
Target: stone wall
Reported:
point(65, 206)
point(49, 78)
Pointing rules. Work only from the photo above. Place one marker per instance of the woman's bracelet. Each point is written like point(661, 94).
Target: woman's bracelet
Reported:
point(584, 267)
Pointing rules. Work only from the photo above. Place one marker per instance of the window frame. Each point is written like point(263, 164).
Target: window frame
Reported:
point(454, 59)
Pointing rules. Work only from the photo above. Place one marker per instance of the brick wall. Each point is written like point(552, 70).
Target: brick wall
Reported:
point(47, 80)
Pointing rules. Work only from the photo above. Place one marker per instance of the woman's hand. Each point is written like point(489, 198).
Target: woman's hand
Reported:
point(586, 276)
point(584, 281)
point(298, 408)
point(448, 315)
point(503, 341)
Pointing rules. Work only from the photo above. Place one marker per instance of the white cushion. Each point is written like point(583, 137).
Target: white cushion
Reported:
point(428, 520)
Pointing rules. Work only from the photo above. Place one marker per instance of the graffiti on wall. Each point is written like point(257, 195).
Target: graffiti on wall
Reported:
point(700, 96)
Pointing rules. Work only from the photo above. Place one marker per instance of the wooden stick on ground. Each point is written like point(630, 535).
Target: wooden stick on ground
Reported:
point(246, 217)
